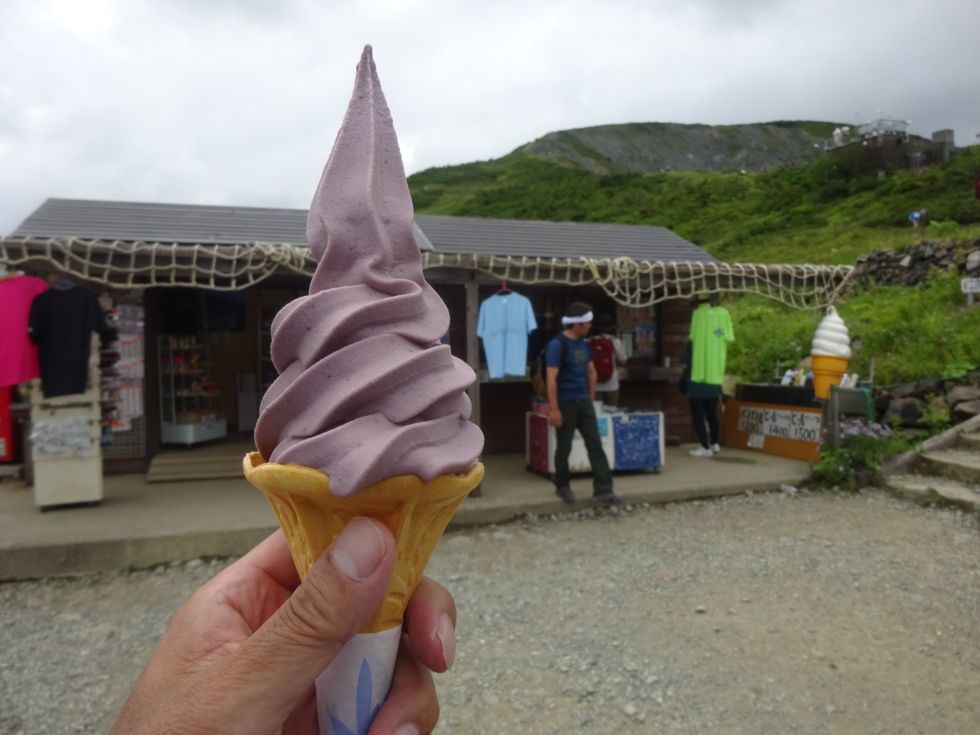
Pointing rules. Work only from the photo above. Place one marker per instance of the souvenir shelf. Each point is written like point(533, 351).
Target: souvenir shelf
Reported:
point(188, 397)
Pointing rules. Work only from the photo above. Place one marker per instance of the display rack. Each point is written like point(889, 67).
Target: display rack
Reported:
point(124, 429)
point(187, 395)
point(65, 451)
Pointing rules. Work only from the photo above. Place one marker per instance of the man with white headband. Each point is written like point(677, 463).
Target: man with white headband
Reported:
point(571, 379)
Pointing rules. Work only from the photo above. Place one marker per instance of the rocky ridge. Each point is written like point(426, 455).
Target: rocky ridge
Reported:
point(659, 147)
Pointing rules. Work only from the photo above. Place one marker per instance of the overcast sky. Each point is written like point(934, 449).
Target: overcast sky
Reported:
point(238, 101)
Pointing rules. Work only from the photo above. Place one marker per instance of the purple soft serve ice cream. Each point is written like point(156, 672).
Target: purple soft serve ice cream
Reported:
point(365, 388)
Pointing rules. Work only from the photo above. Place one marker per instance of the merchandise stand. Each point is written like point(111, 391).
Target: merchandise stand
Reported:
point(65, 443)
point(631, 441)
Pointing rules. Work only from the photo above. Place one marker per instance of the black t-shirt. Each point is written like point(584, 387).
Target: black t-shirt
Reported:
point(61, 324)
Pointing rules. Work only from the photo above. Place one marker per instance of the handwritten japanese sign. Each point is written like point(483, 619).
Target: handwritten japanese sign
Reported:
point(783, 423)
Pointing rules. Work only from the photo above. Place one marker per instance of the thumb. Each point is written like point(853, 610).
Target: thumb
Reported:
point(274, 669)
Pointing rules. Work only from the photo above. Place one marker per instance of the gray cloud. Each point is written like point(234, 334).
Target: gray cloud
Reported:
point(238, 102)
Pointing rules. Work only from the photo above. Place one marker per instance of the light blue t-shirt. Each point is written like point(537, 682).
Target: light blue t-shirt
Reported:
point(504, 323)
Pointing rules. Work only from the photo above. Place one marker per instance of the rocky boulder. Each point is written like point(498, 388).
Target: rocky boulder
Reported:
point(965, 410)
point(905, 411)
point(962, 393)
point(906, 404)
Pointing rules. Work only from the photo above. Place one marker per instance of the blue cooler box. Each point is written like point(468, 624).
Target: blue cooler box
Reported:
point(639, 440)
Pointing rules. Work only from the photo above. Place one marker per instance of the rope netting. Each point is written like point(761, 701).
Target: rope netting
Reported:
point(125, 264)
point(643, 283)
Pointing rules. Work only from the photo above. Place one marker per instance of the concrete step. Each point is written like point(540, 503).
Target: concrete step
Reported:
point(920, 486)
point(229, 473)
point(962, 465)
point(970, 441)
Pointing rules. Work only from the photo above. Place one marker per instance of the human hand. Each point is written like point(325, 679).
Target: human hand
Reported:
point(241, 655)
point(554, 417)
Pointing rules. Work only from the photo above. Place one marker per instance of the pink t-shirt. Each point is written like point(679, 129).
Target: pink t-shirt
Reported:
point(18, 355)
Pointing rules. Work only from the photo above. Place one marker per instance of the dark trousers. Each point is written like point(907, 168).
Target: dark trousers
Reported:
point(705, 410)
point(581, 415)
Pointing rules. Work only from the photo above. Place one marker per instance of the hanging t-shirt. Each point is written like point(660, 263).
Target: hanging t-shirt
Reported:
point(62, 320)
point(505, 321)
point(711, 331)
point(18, 355)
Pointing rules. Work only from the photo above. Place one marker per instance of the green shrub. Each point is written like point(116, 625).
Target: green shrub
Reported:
point(936, 418)
point(943, 228)
point(857, 460)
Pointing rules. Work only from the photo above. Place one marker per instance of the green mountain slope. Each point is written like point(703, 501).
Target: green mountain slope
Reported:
point(813, 213)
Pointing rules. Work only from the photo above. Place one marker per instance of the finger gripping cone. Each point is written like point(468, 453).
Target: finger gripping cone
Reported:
point(416, 512)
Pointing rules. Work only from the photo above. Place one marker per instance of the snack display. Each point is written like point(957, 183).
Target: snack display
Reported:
point(830, 351)
point(369, 414)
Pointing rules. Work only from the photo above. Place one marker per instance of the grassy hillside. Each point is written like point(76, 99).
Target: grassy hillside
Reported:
point(807, 214)
point(811, 213)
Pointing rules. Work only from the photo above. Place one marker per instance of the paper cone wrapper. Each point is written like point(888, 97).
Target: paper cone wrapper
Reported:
point(352, 688)
point(827, 371)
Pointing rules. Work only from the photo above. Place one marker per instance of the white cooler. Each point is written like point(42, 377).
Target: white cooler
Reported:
point(542, 438)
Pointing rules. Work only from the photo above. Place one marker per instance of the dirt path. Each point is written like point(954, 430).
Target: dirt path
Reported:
point(759, 614)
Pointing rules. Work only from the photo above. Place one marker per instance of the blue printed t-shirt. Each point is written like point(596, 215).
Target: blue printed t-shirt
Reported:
point(505, 321)
point(572, 358)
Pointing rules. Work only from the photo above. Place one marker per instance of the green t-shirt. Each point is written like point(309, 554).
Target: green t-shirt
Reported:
point(711, 331)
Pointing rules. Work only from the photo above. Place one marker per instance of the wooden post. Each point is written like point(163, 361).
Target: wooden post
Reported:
point(473, 353)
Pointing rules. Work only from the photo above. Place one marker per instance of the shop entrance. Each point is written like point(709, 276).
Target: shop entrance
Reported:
point(210, 366)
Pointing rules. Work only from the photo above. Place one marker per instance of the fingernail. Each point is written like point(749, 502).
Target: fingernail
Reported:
point(358, 549)
point(446, 634)
point(406, 730)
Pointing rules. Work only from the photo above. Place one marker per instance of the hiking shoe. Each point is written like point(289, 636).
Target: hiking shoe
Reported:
point(716, 448)
point(701, 452)
point(607, 500)
point(565, 493)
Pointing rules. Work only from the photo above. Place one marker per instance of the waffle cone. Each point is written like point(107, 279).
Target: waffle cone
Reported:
point(311, 516)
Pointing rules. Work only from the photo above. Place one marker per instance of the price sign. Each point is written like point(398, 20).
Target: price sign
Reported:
point(787, 424)
point(970, 285)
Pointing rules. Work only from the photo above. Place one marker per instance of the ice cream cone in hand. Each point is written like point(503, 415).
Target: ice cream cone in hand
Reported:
point(830, 353)
point(369, 415)
point(416, 512)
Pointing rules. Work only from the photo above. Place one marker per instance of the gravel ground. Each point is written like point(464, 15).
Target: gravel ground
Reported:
point(812, 613)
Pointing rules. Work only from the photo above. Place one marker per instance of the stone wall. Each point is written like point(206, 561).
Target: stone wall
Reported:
point(912, 403)
point(910, 266)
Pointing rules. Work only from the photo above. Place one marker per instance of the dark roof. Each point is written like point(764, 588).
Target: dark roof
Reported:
point(191, 223)
point(557, 239)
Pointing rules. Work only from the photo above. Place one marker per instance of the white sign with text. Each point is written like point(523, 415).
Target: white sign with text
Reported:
point(784, 423)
